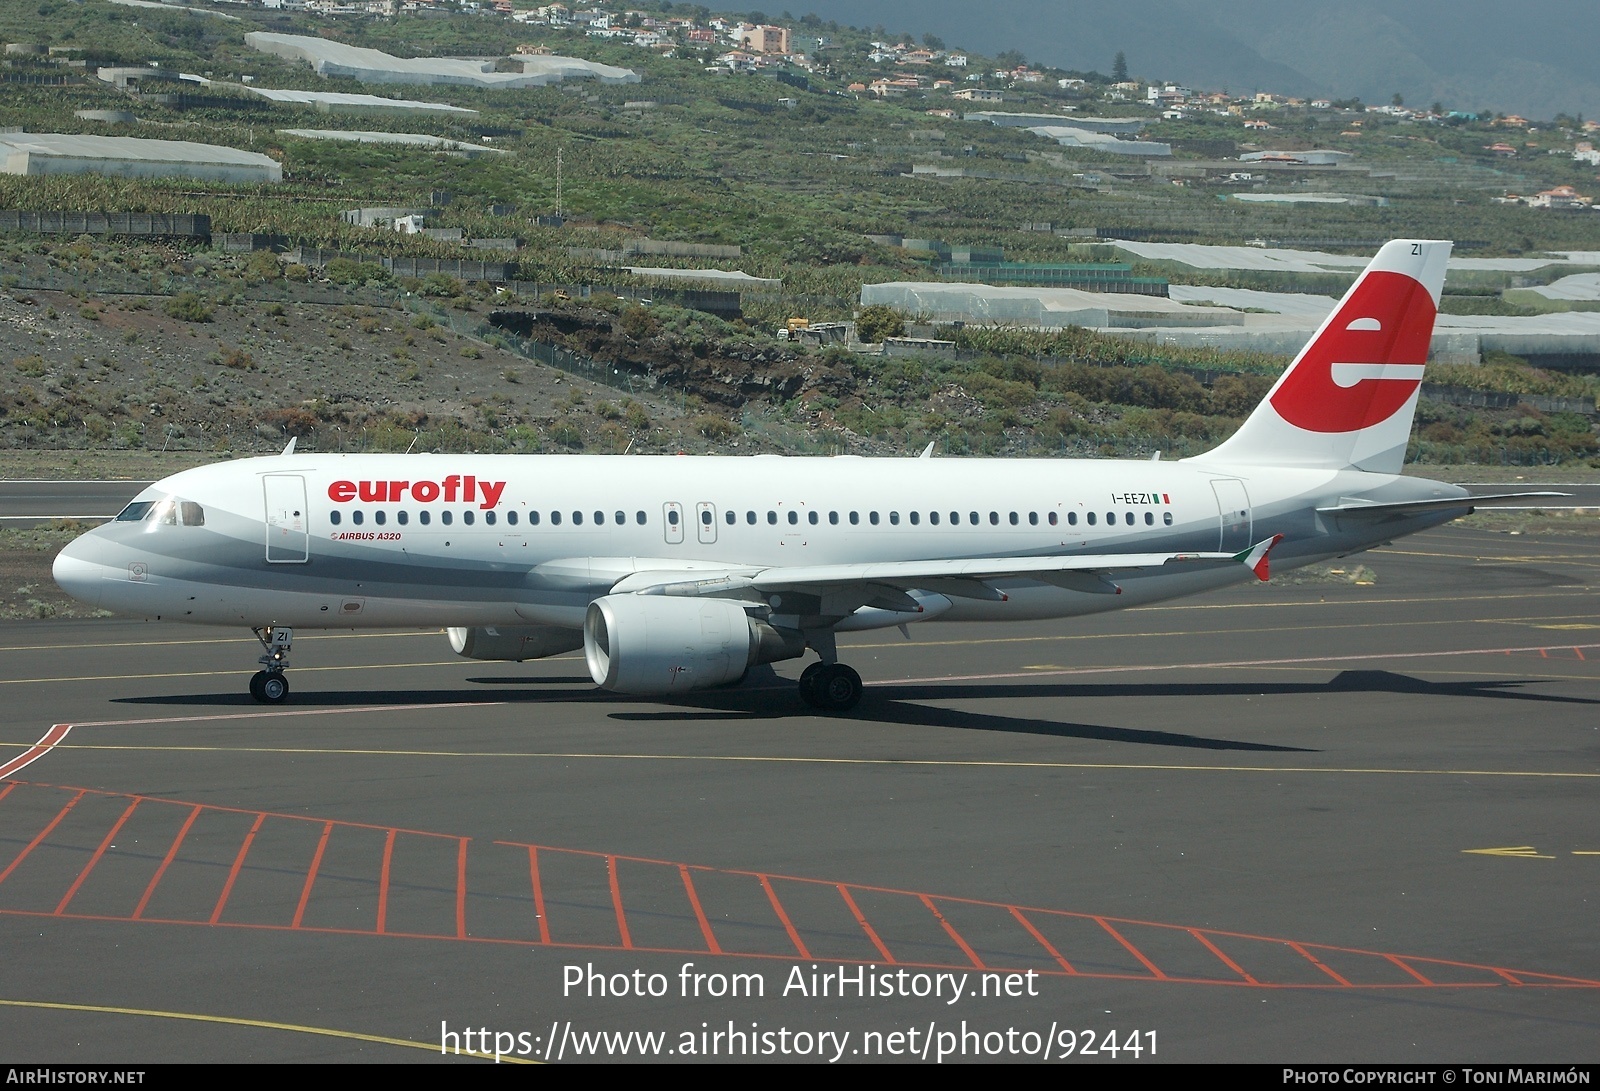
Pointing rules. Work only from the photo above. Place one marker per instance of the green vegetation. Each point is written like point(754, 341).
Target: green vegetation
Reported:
point(876, 322)
point(188, 307)
point(716, 159)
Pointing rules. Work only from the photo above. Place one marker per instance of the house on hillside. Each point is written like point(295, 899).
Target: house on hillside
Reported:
point(1561, 199)
point(764, 39)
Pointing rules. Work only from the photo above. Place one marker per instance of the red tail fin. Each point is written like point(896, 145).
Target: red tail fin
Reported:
point(1347, 400)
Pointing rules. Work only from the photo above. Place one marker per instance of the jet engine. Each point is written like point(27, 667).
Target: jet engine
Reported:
point(654, 644)
point(514, 643)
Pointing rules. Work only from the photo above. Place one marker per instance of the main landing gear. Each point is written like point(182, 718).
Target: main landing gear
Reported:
point(831, 687)
point(270, 685)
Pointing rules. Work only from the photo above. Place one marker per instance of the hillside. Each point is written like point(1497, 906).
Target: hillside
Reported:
point(794, 172)
point(1466, 54)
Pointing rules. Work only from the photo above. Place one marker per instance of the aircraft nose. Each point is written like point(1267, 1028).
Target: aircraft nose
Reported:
point(76, 576)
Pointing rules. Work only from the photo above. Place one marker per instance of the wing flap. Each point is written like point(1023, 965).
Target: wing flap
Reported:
point(963, 578)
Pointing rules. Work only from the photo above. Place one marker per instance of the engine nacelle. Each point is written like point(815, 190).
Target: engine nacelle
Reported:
point(655, 644)
point(514, 643)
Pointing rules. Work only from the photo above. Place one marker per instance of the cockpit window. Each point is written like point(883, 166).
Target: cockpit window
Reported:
point(168, 512)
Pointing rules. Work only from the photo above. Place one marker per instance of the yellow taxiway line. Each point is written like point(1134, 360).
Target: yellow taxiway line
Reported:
point(261, 1024)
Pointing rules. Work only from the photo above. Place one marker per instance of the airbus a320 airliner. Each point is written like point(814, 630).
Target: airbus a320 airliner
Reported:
point(681, 573)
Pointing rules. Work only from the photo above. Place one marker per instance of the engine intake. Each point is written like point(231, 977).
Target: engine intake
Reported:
point(656, 644)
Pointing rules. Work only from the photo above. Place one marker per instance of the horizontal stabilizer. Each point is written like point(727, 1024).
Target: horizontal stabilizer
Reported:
point(1411, 507)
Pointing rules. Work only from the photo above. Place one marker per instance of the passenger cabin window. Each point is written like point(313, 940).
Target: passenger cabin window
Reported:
point(1072, 519)
point(446, 518)
point(402, 517)
point(811, 517)
point(1013, 518)
point(894, 518)
point(622, 518)
point(705, 518)
point(772, 518)
point(333, 517)
point(833, 518)
point(638, 517)
point(1166, 517)
point(1053, 518)
point(872, 517)
point(729, 518)
point(794, 517)
point(533, 518)
point(599, 518)
point(933, 517)
point(1128, 518)
point(424, 517)
point(855, 518)
point(1033, 518)
point(1091, 518)
point(577, 518)
point(1149, 519)
point(380, 517)
point(915, 518)
point(750, 517)
point(355, 517)
point(488, 518)
point(994, 518)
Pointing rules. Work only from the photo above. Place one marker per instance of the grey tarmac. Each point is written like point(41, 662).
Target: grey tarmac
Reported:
point(1315, 820)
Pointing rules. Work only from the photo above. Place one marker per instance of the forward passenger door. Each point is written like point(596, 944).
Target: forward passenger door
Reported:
point(288, 537)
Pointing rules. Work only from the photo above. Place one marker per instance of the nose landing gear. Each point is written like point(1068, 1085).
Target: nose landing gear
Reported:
point(270, 685)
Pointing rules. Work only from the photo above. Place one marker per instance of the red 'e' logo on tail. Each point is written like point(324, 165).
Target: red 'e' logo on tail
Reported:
point(1367, 363)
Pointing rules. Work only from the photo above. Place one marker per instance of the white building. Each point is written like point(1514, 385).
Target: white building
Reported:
point(333, 59)
point(36, 154)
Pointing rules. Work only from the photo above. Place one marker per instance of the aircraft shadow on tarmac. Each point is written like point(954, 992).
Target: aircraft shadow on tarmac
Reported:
point(766, 696)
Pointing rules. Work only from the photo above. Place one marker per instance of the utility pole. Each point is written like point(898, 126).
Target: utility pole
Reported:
point(558, 181)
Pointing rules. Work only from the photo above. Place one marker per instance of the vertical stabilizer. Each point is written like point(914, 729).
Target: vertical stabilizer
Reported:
point(1347, 400)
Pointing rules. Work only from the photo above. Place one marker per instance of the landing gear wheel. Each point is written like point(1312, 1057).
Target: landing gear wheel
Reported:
point(837, 688)
point(270, 687)
point(808, 684)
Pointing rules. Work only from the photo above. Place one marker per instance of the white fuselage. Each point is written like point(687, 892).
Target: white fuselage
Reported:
point(338, 541)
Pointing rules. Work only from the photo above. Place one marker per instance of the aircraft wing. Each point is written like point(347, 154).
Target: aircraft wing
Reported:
point(1360, 510)
point(963, 578)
